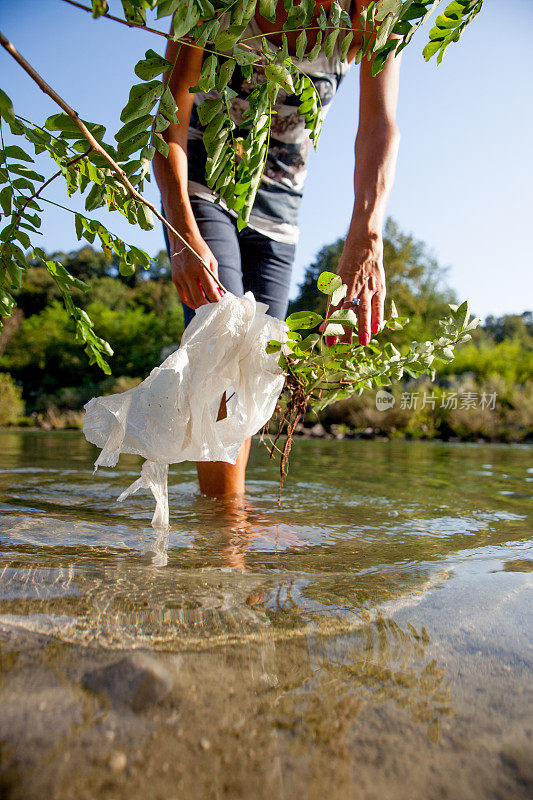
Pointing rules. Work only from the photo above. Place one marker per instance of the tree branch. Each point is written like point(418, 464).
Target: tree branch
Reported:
point(97, 147)
point(182, 40)
point(117, 19)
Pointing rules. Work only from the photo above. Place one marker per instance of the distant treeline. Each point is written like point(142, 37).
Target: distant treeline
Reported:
point(45, 378)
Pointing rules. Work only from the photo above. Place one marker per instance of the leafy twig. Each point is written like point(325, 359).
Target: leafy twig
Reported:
point(97, 147)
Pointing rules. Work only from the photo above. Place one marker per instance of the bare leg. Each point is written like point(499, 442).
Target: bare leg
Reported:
point(219, 477)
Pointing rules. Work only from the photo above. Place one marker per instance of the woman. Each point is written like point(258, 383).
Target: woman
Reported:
point(260, 257)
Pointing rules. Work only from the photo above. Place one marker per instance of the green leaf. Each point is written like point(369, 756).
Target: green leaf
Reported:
point(134, 127)
point(447, 354)
point(345, 45)
point(95, 198)
point(430, 49)
point(302, 320)
point(126, 268)
point(267, 9)
point(207, 78)
point(225, 74)
point(206, 32)
point(20, 169)
point(245, 57)
point(160, 144)
point(227, 38)
point(5, 199)
point(153, 64)
point(142, 98)
point(6, 107)
point(167, 105)
point(327, 282)
point(314, 52)
point(384, 7)
point(463, 314)
point(272, 346)
point(125, 149)
point(23, 238)
point(23, 183)
point(329, 44)
point(391, 351)
point(208, 109)
point(186, 16)
point(14, 151)
point(166, 7)
point(443, 21)
point(340, 349)
point(309, 342)
point(339, 294)
point(380, 56)
point(280, 75)
point(68, 128)
point(78, 223)
point(344, 316)
point(309, 7)
point(301, 44)
point(161, 124)
point(146, 220)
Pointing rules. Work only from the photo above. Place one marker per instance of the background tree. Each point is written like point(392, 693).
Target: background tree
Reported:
point(113, 175)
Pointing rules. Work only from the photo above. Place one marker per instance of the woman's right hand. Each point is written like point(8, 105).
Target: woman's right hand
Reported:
point(194, 284)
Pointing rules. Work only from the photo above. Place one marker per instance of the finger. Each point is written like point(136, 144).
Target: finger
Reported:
point(183, 297)
point(179, 288)
point(364, 315)
point(194, 291)
point(378, 302)
point(210, 287)
point(198, 281)
point(347, 337)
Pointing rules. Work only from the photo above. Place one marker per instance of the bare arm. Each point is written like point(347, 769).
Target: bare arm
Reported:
point(376, 150)
point(195, 286)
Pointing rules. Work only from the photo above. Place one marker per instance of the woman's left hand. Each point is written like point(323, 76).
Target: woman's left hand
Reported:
point(361, 269)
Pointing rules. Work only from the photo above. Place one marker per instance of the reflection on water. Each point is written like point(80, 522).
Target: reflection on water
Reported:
point(383, 601)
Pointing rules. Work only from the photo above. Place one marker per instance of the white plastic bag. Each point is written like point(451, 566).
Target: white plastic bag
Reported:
point(172, 415)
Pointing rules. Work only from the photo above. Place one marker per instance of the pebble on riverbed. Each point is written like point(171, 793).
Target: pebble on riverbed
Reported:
point(118, 761)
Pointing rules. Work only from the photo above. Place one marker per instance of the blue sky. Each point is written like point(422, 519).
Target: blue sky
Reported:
point(465, 171)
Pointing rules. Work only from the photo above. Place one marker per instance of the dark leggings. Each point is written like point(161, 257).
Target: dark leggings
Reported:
point(247, 260)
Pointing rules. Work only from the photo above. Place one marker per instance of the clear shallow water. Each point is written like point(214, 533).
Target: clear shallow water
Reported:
point(376, 626)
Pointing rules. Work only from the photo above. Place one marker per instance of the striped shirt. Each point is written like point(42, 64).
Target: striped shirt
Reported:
point(277, 204)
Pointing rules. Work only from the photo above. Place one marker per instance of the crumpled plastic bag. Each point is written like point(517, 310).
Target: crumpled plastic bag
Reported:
point(172, 415)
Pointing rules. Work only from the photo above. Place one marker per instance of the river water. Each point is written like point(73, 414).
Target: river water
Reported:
point(369, 638)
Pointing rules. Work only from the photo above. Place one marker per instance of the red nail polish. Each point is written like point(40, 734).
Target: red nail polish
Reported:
point(375, 327)
point(331, 340)
point(364, 338)
point(220, 291)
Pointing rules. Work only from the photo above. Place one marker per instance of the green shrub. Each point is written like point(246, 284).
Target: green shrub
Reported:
point(11, 404)
point(510, 420)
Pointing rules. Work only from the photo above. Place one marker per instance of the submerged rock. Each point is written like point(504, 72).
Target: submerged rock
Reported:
point(136, 682)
